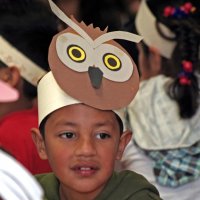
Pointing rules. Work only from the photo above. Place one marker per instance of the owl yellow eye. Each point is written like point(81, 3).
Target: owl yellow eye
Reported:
point(112, 62)
point(76, 53)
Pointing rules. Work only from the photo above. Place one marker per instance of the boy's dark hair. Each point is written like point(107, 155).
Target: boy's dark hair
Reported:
point(42, 125)
point(29, 26)
point(2, 64)
point(187, 37)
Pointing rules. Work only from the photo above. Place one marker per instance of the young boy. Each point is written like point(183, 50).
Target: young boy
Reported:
point(81, 131)
point(82, 144)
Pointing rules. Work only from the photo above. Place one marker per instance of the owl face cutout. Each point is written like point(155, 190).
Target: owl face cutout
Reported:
point(75, 52)
point(103, 76)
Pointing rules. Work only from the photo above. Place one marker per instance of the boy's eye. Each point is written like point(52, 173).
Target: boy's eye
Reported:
point(103, 136)
point(68, 135)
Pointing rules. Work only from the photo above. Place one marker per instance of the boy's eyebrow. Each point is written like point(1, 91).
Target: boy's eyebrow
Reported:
point(98, 124)
point(68, 123)
point(105, 123)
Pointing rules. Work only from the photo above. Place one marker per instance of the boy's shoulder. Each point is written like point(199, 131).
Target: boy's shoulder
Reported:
point(130, 186)
point(123, 185)
point(50, 185)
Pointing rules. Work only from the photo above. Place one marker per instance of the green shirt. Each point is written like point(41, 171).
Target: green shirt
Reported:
point(126, 185)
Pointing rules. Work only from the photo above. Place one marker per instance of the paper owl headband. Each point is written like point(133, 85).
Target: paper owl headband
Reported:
point(89, 66)
point(146, 26)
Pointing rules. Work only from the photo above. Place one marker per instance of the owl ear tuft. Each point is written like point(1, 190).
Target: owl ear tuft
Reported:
point(91, 26)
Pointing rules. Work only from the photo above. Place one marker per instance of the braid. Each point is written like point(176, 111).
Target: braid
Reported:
point(184, 62)
point(184, 88)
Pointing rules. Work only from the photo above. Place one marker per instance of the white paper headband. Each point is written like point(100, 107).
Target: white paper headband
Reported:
point(12, 57)
point(51, 101)
point(57, 98)
point(146, 27)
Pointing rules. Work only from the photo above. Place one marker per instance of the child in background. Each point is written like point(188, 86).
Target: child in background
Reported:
point(15, 182)
point(164, 115)
point(26, 29)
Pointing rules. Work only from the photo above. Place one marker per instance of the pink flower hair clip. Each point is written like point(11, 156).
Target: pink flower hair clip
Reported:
point(184, 76)
point(179, 12)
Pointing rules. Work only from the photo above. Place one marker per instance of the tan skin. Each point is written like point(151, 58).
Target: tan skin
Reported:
point(133, 5)
point(82, 144)
point(149, 66)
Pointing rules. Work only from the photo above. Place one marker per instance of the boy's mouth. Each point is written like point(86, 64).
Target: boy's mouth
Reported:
point(85, 170)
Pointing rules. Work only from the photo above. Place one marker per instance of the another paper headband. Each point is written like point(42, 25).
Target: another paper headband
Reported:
point(146, 26)
point(12, 57)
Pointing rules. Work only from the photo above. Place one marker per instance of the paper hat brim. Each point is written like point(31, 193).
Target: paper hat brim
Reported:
point(52, 99)
point(16, 182)
point(146, 26)
point(7, 93)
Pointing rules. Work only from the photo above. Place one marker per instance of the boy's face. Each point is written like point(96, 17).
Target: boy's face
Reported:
point(82, 144)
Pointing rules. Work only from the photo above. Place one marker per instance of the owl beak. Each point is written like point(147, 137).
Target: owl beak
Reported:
point(96, 76)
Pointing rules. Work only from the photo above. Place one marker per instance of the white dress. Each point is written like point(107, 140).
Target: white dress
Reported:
point(156, 125)
point(155, 120)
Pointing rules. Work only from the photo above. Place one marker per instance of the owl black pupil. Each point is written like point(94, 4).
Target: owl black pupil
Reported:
point(76, 53)
point(112, 62)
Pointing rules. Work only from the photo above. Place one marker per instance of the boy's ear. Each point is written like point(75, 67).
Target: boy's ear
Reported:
point(39, 143)
point(11, 75)
point(124, 140)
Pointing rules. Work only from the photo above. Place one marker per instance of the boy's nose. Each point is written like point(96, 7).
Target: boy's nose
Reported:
point(86, 147)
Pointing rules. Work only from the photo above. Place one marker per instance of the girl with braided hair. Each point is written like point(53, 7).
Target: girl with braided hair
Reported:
point(165, 114)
